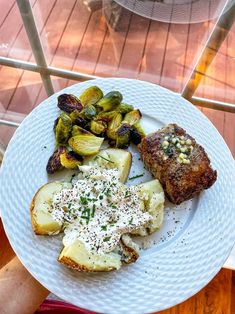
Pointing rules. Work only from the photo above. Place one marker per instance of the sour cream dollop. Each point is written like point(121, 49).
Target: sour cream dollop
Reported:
point(98, 209)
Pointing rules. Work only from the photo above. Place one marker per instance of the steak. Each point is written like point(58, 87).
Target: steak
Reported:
point(178, 162)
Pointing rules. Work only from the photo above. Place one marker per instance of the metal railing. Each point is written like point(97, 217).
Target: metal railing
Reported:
point(214, 42)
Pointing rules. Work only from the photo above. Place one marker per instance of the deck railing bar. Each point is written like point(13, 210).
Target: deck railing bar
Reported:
point(34, 40)
point(49, 70)
point(9, 123)
point(213, 44)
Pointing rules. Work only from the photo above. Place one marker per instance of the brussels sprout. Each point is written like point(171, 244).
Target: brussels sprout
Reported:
point(69, 103)
point(110, 101)
point(133, 116)
point(63, 129)
point(85, 145)
point(54, 163)
point(137, 133)
point(89, 112)
point(77, 130)
point(91, 95)
point(69, 160)
point(105, 116)
point(113, 125)
point(123, 135)
point(124, 108)
point(98, 127)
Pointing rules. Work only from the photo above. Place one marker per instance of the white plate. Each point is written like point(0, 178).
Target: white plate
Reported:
point(190, 252)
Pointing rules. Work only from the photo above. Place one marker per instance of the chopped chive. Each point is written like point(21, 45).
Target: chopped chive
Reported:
point(104, 158)
point(130, 221)
point(83, 200)
point(106, 239)
point(101, 197)
point(93, 211)
point(104, 228)
point(69, 205)
point(138, 176)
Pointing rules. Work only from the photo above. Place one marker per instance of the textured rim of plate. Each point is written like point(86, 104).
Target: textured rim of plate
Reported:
point(158, 280)
point(197, 12)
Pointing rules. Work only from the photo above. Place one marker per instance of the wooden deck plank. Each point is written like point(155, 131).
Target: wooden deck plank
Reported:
point(91, 44)
point(49, 29)
point(151, 66)
point(132, 54)
point(6, 7)
point(13, 76)
point(113, 46)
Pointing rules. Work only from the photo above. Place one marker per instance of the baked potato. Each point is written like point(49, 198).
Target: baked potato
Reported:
point(112, 158)
point(40, 209)
point(153, 195)
point(76, 256)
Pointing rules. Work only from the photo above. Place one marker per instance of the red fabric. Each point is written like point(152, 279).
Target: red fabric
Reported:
point(59, 307)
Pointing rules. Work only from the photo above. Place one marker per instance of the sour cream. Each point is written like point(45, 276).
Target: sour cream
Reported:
point(98, 209)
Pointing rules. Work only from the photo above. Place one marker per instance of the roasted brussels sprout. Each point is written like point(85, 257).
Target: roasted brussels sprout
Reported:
point(70, 160)
point(133, 116)
point(98, 127)
point(113, 125)
point(124, 108)
point(89, 112)
point(123, 135)
point(105, 116)
point(110, 101)
point(54, 163)
point(85, 145)
point(69, 103)
point(137, 133)
point(63, 129)
point(91, 95)
point(77, 130)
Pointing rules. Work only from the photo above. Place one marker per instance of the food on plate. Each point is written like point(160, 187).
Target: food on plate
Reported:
point(85, 145)
point(91, 96)
point(42, 220)
point(69, 103)
point(98, 213)
point(178, 162)
point(63, 158)
point(92, 113)
point(112, 158)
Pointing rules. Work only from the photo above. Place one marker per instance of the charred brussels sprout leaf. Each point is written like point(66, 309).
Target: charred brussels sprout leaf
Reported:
point(123, 135)
point(54, 163)
point(110, 101)
point(85, 145)
point(77, 130)
point(124, 108)
point(69, 103)
point(91, 95)
point(98, 127)
point(63, 129)
point(137, 133)
point(69, 160)
point(89, 112)
point(113, 125)
point(133, 116)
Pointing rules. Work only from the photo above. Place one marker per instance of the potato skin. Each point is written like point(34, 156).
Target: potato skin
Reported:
point(73, 265)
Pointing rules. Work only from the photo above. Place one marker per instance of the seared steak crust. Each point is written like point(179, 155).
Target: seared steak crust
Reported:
point(181, 181)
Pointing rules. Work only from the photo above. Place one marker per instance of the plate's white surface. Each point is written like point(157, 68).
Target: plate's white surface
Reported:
point(165, 274)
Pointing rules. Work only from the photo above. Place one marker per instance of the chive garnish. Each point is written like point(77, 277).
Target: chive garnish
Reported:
point(138, 176)
point(106, 239)
point(130, 221)
point(104, 228)
point(93, 211)
point(69, 205)
point(104, 158)
point(83, 200)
